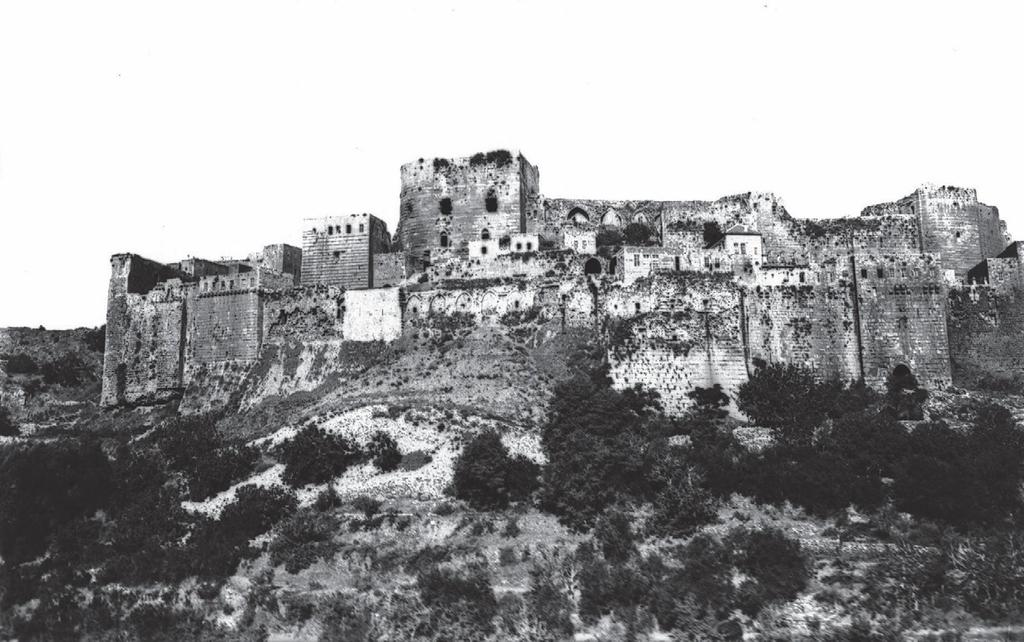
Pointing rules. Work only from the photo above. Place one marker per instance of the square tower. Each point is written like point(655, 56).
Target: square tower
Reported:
point(446, 203)
point(339, 250)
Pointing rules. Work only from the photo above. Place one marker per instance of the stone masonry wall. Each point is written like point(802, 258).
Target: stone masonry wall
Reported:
point(902, 309)
point(811, 325)
point(691, 338)
point(339, 250)
point(225, 326)
point(986, 333)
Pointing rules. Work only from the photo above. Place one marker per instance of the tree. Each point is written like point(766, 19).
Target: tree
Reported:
point(46, 487)
point(488, 477)
point(638, 234)
point(8, 427)
point(384, 450)
point(904, 398)
point(600, 445)
point(786, 399)
point(314, 456)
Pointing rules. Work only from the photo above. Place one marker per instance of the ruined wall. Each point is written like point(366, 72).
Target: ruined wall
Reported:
point(225, 326)
point(811, 325)
point(283, 259)
point(388, 269)
point(372, 315)
point(956, 226)
point(450, 202)
point(902, 309)
point(145, 333)
point(553, 263)
point(986, 333)
point(691, 337)
point(339, 250)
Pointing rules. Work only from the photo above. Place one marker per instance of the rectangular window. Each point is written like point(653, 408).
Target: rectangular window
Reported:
point(348, 229)
point(636, 260)
point(743, 248)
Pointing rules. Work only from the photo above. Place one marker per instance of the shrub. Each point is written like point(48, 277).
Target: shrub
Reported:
point(682, 504)
point(775, 564)
point(615, 535)
point(511, 529)
point(314, 456)
point(96, 338)
point(903, 397)
point(342, 618)
point(21, 363)
point(383, 449)
point(193, 447)
point(306, 537)
point(487, 477)
point(67, 370)
point(600, 444)
point(460, 595)
point(8, 427)
point(786, 399)
point(712, 233)
point(507, 555)
point(327, 499)
point(47, 486)
point(217, 546)
point(638, 234)
point(550, 598)
point(609, 237)
point(963, 478)
point(368, 506)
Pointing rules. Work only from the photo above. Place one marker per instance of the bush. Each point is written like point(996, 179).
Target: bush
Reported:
point(8, 427)
point(600, 445)
point(712, 233)
point(458, 595)
point(639, 234)
point(682, 504)
point(306, 537)
point(21, 363)
point(487, 477)
point(383, 449)
point(775, 564)
point(217, 546)
point(963, 478)
point(96, 338)
point(609, 237)
point(67, 370)
point(615, 535)
point(787, 399)
point(368, 506)
point(193, 447)
point(313, 457)
point(550, 598)
point(47, 486)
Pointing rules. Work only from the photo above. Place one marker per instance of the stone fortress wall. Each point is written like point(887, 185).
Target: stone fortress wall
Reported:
point(928, 282)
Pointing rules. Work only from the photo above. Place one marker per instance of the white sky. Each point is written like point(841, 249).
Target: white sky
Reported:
point(212, 128)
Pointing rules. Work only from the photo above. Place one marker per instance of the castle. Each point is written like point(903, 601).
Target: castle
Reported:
point(698, 292)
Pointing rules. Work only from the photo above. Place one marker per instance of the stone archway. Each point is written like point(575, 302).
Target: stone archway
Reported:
point(592, 266)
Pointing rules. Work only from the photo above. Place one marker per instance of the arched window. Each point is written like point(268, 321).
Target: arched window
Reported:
point(446, 206)
point(444, 239)
point(578, 216)
point(485, 235)
point(491, 202)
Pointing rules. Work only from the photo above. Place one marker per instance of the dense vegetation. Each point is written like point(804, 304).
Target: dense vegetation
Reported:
point(654, 537)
